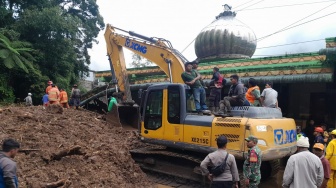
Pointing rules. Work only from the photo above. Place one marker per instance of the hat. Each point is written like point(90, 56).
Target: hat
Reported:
point(188, 63)
point(333, 132)
point(50, 82)
point(303, 142)
point(253, 138)
point(318, 129)
point(75, 85)
point(319, 146)
point(29, 94)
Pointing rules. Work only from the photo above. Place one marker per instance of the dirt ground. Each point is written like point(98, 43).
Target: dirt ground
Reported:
point(71, 148)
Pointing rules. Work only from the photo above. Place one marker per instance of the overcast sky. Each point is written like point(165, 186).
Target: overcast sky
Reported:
point(180, 21)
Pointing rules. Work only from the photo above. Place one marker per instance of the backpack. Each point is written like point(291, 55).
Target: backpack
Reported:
point(218, 170)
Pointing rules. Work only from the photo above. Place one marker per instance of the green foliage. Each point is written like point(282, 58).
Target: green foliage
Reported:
point(46, 40)
point(138, 61)
point(6, 92)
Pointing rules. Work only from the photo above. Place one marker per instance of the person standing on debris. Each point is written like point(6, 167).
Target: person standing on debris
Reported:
point(53, 95)
point(318, 150)
point(303, 169)
point(216, 84)
point(45, 100)
point(253, 93)
point(75, 96)
point(49, 86)
point(236, 97)
point(230, 175)
point(8, 176)
point(192, 79)
point(269, 96)
point(64, 99)
point(331, 157)
point(28, 100)
point(252, 163)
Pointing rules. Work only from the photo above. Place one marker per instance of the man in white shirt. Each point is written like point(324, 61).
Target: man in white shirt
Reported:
point(269, 96)
point(303, 169)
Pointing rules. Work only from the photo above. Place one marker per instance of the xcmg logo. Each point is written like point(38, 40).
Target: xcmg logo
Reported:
point(136, 46)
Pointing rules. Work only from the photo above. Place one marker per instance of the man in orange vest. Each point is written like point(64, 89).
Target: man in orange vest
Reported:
point(49, 86)
point(53, 95)
point(64, 99)
point(253, 93)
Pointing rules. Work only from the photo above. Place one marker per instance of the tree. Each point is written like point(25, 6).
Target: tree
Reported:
point(138, 61)
point(60, 33)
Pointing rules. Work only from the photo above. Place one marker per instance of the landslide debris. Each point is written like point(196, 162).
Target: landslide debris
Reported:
point(70, 148)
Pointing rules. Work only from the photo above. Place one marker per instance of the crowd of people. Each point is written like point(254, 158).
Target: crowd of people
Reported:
point(303, 169)
point(238, 95)
point(53, 95)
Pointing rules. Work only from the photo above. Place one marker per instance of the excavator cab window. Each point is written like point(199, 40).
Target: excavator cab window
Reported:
point(174, 104)
point(153, 111)
point(191, 107)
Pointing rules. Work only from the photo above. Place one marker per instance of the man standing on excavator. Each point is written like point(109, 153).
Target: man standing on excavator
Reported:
point(192, 78)
point(216, 85)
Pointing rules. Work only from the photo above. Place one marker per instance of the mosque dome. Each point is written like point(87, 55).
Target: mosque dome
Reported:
point(226, 38)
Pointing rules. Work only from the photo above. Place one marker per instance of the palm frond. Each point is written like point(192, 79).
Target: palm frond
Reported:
point(9, 63)
point(4, 53)
point(19, 63)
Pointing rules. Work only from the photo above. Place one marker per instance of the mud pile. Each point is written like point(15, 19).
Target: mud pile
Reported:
point(73, 148)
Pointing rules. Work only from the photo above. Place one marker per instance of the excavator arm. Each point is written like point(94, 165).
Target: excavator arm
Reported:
point(155, 50)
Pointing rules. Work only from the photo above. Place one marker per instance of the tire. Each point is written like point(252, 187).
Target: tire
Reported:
point(269, 169)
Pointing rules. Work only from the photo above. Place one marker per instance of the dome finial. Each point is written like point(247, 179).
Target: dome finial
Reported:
point(227, 12)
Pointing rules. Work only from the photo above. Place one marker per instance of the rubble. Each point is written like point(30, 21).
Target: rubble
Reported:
point(70, 148)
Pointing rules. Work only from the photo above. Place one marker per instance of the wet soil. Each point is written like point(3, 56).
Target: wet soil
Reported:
point(71, 148)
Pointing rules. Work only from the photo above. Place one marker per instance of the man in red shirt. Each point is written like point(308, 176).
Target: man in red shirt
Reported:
point(318, 150)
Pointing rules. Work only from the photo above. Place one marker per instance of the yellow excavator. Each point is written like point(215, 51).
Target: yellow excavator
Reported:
point(179, 137)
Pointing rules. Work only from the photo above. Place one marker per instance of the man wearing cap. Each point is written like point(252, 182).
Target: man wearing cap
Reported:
point(49, 86)
point(230, 176)
point(318, 150)
point(252, 163)
point(331, 157)
point(192, 79)
point(303, 169)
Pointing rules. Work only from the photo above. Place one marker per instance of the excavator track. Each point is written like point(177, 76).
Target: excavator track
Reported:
point(170, 163)
point(177, 168)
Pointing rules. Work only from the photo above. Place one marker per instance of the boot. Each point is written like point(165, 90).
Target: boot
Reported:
point(206, 112)
point(220, 112)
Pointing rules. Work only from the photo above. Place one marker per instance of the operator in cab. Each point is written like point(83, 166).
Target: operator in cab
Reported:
point(192, 79)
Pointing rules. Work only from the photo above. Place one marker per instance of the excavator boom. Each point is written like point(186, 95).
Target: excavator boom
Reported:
point(158, 51)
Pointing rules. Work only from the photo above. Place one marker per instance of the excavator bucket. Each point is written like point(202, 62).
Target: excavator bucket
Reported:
point(125, 116)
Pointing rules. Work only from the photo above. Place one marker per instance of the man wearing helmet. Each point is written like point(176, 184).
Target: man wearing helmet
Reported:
point(318, 135)
point(331, 157)
point(28, 100)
